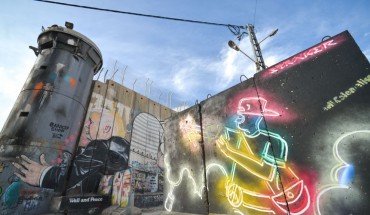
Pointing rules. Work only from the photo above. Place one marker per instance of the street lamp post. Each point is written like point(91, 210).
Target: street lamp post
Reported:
point(270, 35)
point(236, 48)
point(258, 59)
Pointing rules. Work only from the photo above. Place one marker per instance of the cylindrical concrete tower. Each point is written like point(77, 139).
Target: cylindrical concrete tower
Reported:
point(43, 127)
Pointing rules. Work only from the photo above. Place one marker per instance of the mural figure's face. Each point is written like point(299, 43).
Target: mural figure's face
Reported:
point(249, 114)
point(92, 126)
point(247, 123)
point(118, 155)
point(99, 130)
point(105, 127)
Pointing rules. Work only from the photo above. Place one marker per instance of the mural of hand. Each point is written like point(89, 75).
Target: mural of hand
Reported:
point(31, 170)
point(222, 144)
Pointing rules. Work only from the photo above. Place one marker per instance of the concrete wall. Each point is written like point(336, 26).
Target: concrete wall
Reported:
point(184, 163)
point(62, 152)
point(121, 143)
point(117, 158)
point(294, 139)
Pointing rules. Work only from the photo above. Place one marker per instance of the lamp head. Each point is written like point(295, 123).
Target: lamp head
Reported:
point(233, 45)
point(274, 32)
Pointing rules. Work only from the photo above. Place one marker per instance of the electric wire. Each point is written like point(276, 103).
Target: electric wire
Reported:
point(139, 14)
point(255, 11)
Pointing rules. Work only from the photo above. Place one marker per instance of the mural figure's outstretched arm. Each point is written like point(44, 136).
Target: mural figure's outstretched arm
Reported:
point(31, 171)
point(247, 160)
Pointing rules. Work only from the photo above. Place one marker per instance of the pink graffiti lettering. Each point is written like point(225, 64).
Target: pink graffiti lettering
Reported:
point(305, 55)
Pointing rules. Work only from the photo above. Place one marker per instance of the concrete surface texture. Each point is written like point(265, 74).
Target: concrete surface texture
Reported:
point(294, 139)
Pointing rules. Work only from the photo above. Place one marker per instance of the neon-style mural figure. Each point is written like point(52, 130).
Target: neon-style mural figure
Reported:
point(185, 173)
point(342, 173)
point(190, 133)
point(260, 180)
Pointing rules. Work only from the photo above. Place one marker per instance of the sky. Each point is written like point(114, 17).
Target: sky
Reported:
point(171, 62)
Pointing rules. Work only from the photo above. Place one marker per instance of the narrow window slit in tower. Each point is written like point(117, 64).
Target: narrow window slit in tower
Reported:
point(23, 114)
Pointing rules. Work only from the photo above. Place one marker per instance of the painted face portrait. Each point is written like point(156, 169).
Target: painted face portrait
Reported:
point(91, 126)
point(118, 155)
point(250, 114)
point(98, 127)
point(104, 124)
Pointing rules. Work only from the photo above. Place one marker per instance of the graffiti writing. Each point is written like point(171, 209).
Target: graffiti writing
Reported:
point(304, 56)
point(148, 200)
point(85, 199)
point(84, 203)
point(57, 136)
point(344, 95)
point(58, 127)
point(57, 130)
point(31, 204)
point(147, 166)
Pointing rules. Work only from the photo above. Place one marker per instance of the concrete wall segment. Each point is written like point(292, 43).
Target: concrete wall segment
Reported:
point(184, 176)
point(294, 139)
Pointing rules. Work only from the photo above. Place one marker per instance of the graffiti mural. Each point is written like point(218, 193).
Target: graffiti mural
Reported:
point(343, 172)
point(147, 154)
point(184, 164)
point(101, 156)
point(39, 138)
point(105, 185)
point(190, 132)
point(121, 188)
point(145, 201)
point(292, 140)
point(265, 160)
point(66, 144)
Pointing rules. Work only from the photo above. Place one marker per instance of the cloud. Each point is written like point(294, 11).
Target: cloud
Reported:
point(210, 75)
point(195, 76)
point(232, 65)
point(189, 76)
point(185, 78)
point(186, 73)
